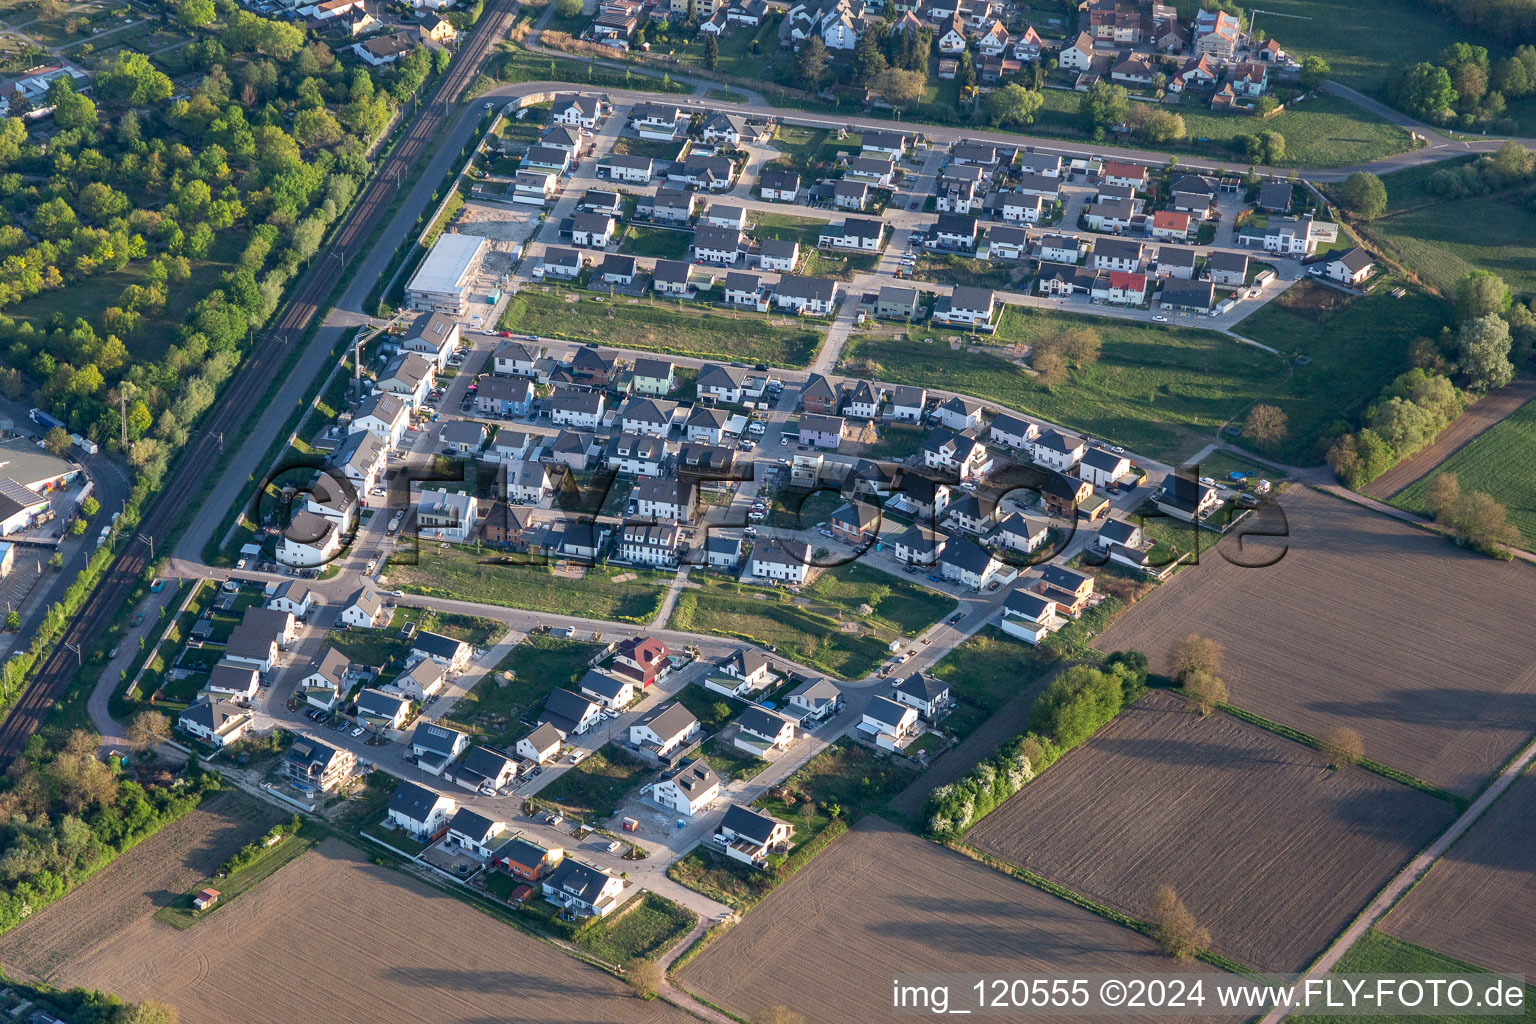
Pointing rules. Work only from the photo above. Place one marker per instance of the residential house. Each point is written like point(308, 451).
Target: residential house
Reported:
point(888, 724)
point(665, 728)
point(361, 459)
point(565, 264)
point(968, 306)
point(657, 121)
point(816, 700)
point(616, 270)
point(542, 744)
point(504, 397)
point(906, 404)
point(1064, 495)
point(437, 744)
point(1013, 432)
point(328, 680)
point(850, 195)
point(1176, 261)
point(653, 544)
point(924, 692)
point(636, 170)
point(1171, 226)
point(216, 722)
point(761, 732)
point(1228, 268)
point(689, 791)
point(476, 834)
point(1351, 267)
point(576, 109)
point(532, 187)
point(823, 431)
point(1068, 588)
point(668, 206)
point(419, 811)
point(635, 454)
point(435, 336)
point(954, 231)
point(315, 766)
point(569, 712)
point(957, 454)
point(722, 551)
point(710, 173)
point(894, 303)
point(1217, 33)
point(740, 672)
point(665, 498)
point(856, 233)
point(451, 653)
point(485, 770)
point(1113, 215)
point(418, 682)
point(445, 515)
point(384, 416)
point(1021, 533)
point(920, 546)
point(778, 254)
point(527, 861)
point(582, 889)
point(778, 185)
point(969, 564)
point(382, 710)
point(1079, 55)
point(745, 290)
point(1117, 254)
point(1060, 249)
point(580, 409)
point(1102, 467)
point(1186, 498)
point(723, 384)
point(718, 245)
point(650, 416)
point(670, 277)
point(408, 375)
point(786, 561)
point(1029, 617)
point(463, 436)
point(1187, 296)
point(855, 523)
point(816, 296)
point(1118, 533)
point(592, 230)
point(609, 691)
point(750, 836)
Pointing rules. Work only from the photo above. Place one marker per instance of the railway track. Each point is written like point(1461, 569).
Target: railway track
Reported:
point(244, 394)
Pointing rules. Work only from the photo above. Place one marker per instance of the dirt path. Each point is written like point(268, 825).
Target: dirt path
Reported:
point(1489, 411)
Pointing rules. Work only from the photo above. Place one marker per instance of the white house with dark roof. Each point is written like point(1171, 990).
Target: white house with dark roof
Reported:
point(569, 712)
point(816, 700)
point(228, 680)
point(960, 454)
point(475, 833)
point(1022, 533)
point(906, 404)
point(317, 766)
point(383, 710)
point(580, 409)
point(959, 414)
point(816, 296)
point(664, 729)
point(1352, 267)
point(1102, 467)
point(217, 723)
point(328, 680)
point(786, 561)
point(969, 564)
point(609, 691)
point(740, 672)
point(418, 682)
point(925, 692)
point(485, 769)
point(920, 546)
point(690, 791)
point(1013, 431)
point(888, 724)
point(383, 415)
point(761, 732)
point(1058, 451)
point(365, 610)
point(723, 384)
point(665, 498)
point(435, 745)
point(582, 889)
point(750, 836)
point(419, 811)
point(540, 745)
point(1029, 616)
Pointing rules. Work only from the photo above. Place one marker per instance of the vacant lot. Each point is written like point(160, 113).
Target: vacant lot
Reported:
point(1501, 461)
point(152, 875)
point(1354, 347)
point(661, 326)
point(880, 902)
point(825, 625)
point(1161, 391)
point(461, 574)
point(1479, 901)
point(282, 950)
point(593, 789)
point(1369, 623)
point(1271, 850)
point(540, 664)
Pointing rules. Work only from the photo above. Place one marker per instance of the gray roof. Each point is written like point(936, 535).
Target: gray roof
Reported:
point(698, 777)
point(436, 738)
point(384, 705)
point(966, 554)
point(817, 692)
point(800, 287)
point(473, 824)
point(668, 719)
point(602, 684)
point(670, 272)
point(746, 822)
point(413, 801)
point(761, 721)
point(923, 686)
point(883, 709)
point(545, 736)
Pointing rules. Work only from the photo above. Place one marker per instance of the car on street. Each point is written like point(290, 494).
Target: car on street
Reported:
point(138, 618)
point(1160, 319)
point(613, 847)
point(397, 593)
point(935, 579)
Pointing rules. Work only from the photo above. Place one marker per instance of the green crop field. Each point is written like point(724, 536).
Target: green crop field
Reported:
point(1445, 241)
point(660, 326)
point(1502, 462)
point(808, 627)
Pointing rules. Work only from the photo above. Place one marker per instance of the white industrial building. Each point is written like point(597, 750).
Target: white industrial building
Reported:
point(441, 283)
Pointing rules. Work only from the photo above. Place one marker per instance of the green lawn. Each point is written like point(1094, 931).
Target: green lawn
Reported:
point(1355, 347)
point(656, 149)
point(593, 789)
point(986, 672)
point(805, 230)
point(947, 268)
point(540, 664)
point(713, 710)
point(516, 64)
point(645, 927)
point(457, 573)
point(661, 326)
point(730, 763)
point(846, 778)
point(1160, 391)
point(896, 442)
point(1445, 241)
point(1220, 464)
point(801, 510)
point(1502, 462)
point(805, 148)
point(1378, 953)
point(660, 243)
point(808, 627)
point(180, 913)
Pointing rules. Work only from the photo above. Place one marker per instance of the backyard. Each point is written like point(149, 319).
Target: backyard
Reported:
point(656, 325)
point(987, 671)
point(659, 243)
point(590, 592)
point(645, 927)
point(826, 625)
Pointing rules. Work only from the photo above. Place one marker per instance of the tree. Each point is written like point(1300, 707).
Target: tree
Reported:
point(1341, 745)
point(1160, 125)
point(1483, 353)
point(1481, 293)
point(89, 507)
point(1012, 105)
point(1102, 106)
point(70, 109)
point(1050, 369)
point(1203, 691)
point(148, 729)
point(1079, 345)
point(1512, 78)
point(809, 62)
point(644, 976)
point(150, 1012)
point(316, 127)
point(196, 13)
point(1426, 90)
point(1195, 653)
point(1365, 195)
point(57, 440)
point(1174, 928)
point(899, 88)
point(1314, 72)
point(1443, 494)
point(13, 620)
point(868, 61)
point(568, 9)
point(132, 81)
point(711, 52)
point(1266, 425)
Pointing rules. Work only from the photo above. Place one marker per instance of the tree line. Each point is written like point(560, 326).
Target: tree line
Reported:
point(1466, 87)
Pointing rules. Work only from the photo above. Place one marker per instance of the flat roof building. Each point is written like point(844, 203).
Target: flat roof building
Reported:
point(441, 283)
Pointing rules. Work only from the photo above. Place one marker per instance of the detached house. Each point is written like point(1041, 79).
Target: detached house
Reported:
point(816, 699)
point(969, 564)
point(926, 693)
point(761, 732)
point(782, 560)
point(664, 729)
point(420, 812)
point(1030, 617)
point(217, 723)
point(540, 745)
point(750, 836)
point(689, 791)
point(888, 724)
point(584, 890)
point(740, 672)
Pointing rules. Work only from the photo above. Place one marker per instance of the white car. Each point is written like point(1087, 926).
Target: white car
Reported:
point(1160, 319)
point(613, 847)
point(358, 732)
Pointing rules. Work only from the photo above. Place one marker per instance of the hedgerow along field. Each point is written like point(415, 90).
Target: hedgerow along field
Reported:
point(1269, 848)
point(1363, 622)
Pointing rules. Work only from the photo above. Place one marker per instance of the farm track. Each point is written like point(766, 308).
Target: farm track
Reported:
point(402, 951)
point(1478, 901)
point(1269, 848)
point(246, 392)
point(880, 902)
point(1491, 410)
point(134, 886)
point(1363, 622)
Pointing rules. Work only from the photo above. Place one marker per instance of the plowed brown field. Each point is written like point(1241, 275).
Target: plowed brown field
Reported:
point(332, 936)
point(1270, 850)
point(881, 902)
point(141, 881)
point(1366, 622)
point(1478, 903)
